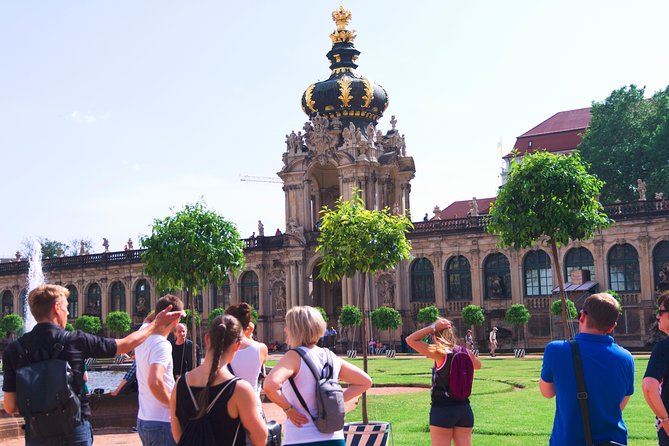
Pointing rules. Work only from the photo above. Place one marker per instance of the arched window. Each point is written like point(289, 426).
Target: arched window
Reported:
point(624, 272)
point(538, 274)
point(94, 300)
point(220, 295)
point(142, 298)
point(497, 277)
point(459, 279)
point(422, 281)
point(661, 266)
point(73, 301)
point(248, 289)
point(579, 258)
point(7, 302)
point(117, 297)
point(23, 303)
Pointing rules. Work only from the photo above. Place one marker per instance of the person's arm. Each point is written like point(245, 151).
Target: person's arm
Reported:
point(263, 354)
point(243, 398)
point(119, 387)
point(475, 360)
point(287, 366)
point(358, 380)
point(156, 383)
point(9, 403)
point(415, 339)
point(175, 424)
point(547, 389)
point(162, 319)
point(651, 393)
point(624, 402)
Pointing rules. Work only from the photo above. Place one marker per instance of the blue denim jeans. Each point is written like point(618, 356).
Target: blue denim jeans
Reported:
point(155, 433)
point(82, 435)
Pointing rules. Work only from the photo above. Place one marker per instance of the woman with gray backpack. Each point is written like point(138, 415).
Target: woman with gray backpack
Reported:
point(305, 383)
point(451, 416)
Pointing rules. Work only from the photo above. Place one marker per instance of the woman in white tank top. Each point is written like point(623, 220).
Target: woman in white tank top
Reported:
point(304, 326)
point(250, 359)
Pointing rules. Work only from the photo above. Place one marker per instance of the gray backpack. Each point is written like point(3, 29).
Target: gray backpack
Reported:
point(329, 395)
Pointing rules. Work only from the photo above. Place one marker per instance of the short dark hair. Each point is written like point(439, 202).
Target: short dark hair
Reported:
point(663, 299)
point(167, 300)
point(602, 310)
point(242, 312)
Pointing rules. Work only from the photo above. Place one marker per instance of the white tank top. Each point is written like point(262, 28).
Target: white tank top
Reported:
point(306, 383)
point(246, 364)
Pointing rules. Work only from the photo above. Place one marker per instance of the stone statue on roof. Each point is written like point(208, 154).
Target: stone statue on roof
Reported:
point(641, 189)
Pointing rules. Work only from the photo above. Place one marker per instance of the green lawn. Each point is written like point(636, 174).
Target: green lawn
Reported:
point(508, 406)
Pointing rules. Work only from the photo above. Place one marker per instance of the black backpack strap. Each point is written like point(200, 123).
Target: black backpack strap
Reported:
point(582, 392)
point(314, 372)
point(59, 345)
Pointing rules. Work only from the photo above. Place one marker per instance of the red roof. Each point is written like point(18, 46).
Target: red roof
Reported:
point(561, 132)
point(459, 209)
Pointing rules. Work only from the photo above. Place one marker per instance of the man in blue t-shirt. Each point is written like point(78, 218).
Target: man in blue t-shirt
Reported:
point(655, 391)
point(608, 370)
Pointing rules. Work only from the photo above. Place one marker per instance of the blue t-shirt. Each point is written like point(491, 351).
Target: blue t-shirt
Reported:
point(609, 378)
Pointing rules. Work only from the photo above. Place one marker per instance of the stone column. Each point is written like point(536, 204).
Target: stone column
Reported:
point(600, 262)
point(477, 276)
point(301, 287)
point(515, 265)
point(308, 213)
point(294, 291)
point(439, 283)
point(646, 268)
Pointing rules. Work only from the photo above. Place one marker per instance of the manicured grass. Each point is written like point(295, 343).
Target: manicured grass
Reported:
point(508, 406)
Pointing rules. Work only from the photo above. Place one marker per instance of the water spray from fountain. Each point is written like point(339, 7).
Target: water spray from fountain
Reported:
point(35, 279)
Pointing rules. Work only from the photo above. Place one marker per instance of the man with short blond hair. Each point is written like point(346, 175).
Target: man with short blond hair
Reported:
point(608, 372)
point(48, 304)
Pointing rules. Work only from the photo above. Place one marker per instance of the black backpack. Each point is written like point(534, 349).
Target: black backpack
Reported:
point(44, 392)
point(198, 432)
point(329, 395)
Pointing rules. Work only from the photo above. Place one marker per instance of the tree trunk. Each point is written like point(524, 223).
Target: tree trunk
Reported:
point(363, 336)
point(563, 296)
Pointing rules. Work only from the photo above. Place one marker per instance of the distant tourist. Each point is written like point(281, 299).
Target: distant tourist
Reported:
point(469, 340)
point(48, 304)
point(213, 385)
point(304, 326)
point(155, 380)
point(451, 415)
point(493, 341)
point(656, 378)
point(182, 351)
point(608, 372)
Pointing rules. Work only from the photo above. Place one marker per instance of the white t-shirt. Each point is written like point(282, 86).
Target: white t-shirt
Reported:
point(155, 350)
point(306, 383)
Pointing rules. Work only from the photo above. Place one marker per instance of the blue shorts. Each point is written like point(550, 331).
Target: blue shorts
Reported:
point(155, 433)
point(458, 415)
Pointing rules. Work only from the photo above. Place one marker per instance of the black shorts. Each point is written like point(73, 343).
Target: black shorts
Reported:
point(459, 415)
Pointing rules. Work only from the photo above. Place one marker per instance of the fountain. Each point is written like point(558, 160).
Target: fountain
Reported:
point(35, 279)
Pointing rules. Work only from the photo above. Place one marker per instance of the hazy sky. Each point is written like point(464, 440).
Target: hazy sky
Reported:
point(111, 113)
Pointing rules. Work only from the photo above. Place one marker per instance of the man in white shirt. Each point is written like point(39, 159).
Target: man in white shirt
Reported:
point(493, 341)
point(156, 381)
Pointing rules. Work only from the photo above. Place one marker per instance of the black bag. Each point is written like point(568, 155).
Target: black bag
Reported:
point(273, 433)
point(198, 432)
point(53, 412)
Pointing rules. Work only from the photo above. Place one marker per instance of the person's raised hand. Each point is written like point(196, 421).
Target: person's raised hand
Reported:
point(167, 317)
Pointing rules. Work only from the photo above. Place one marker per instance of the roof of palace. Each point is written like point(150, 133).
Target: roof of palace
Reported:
point(561, 132)
point(459, 209)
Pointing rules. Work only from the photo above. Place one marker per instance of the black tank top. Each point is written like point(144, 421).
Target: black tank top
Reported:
point(440, 379)
point(223, 426)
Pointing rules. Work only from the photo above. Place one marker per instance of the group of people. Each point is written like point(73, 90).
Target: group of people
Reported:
point(175, 395)
point(329, 338)
point(375, 346)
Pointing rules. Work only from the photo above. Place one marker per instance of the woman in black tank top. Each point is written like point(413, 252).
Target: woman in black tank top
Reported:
point(451, 420)
point(212, 391)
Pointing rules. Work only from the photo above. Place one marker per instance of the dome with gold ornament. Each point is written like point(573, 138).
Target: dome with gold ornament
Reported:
point(345, 94)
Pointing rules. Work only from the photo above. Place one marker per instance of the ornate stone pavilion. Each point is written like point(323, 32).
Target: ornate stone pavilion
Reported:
point(456, 263)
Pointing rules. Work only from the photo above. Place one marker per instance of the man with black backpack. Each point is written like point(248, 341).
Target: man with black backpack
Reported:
point(44, 369)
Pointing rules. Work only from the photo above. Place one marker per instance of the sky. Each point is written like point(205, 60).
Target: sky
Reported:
point(113, 114)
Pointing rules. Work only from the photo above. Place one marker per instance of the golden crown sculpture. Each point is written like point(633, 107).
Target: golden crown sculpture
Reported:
point(341, 17)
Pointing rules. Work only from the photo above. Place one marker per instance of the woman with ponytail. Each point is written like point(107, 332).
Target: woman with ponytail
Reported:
point(451, 420)
point(212, 386)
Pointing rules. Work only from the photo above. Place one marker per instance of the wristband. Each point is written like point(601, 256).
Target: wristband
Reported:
point(662, 420)
point(434, 327)
point(286, 410)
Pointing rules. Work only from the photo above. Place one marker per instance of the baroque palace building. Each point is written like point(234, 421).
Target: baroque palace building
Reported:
point(455, 261)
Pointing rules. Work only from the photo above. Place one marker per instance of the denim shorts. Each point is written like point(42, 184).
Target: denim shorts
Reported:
point(82, 435)
point(459, 415)
point(155, 433)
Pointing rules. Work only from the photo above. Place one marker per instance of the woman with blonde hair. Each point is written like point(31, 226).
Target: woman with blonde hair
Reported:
point(451, 420)
point(211, 390)
point(304, 327)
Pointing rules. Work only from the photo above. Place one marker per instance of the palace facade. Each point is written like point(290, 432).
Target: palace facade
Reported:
point(455, 261)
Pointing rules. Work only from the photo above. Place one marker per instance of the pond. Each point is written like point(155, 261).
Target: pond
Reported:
point(107, 380)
